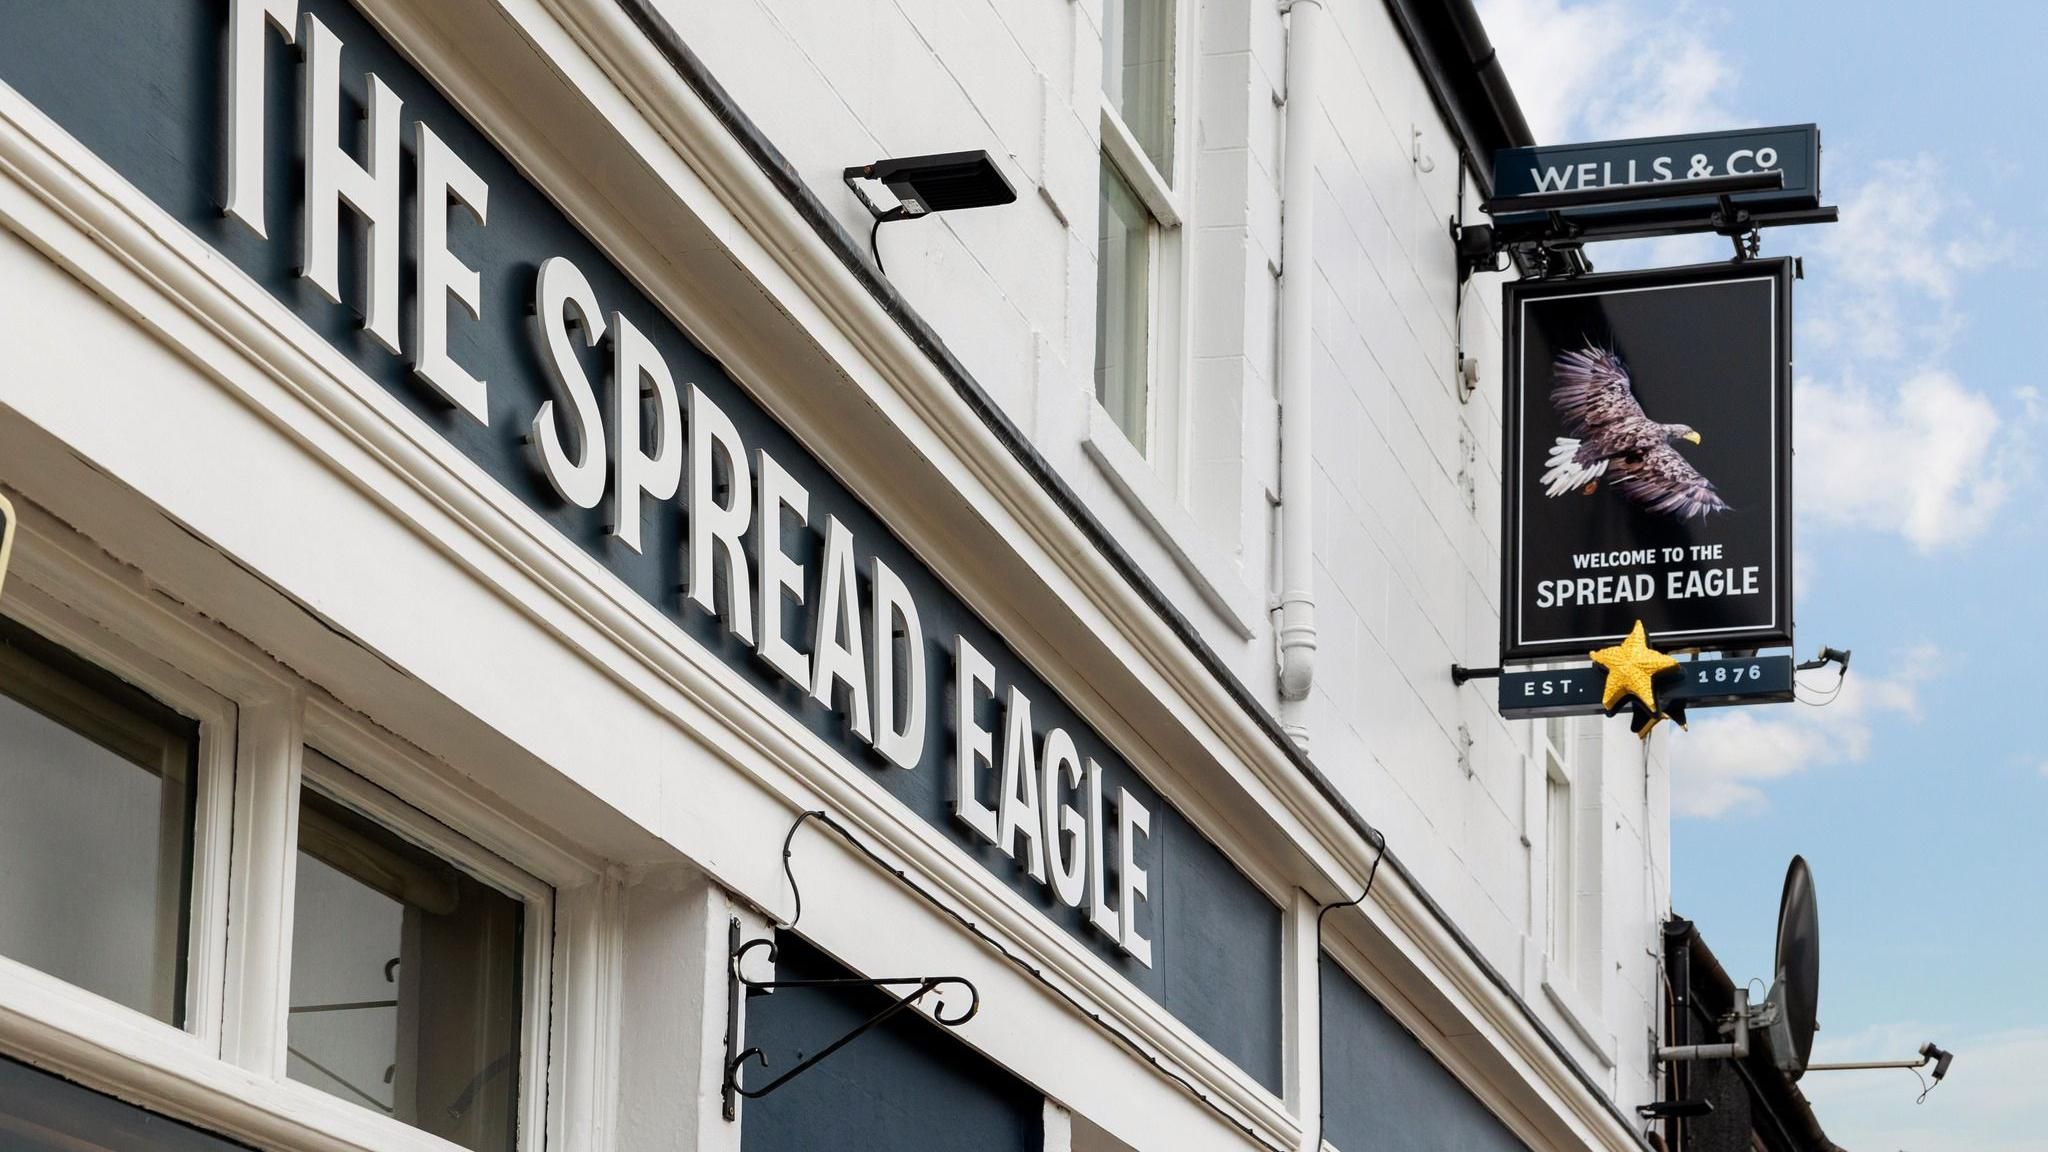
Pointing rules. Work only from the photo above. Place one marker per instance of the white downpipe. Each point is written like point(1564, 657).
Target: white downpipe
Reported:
point(1297, 632)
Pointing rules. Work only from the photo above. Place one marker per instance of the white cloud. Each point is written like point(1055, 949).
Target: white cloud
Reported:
point(1930, 459)
point(1891, 438)
point(1721, 765)
point(1990, 1101)
point(1609, 68)
point(1893, 264)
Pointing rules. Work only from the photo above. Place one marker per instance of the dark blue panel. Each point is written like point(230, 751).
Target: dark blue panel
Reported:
point(142, 83)
point(1384, 1092)
point(42, 1113)
point(1224, 939)
point(907, 1086)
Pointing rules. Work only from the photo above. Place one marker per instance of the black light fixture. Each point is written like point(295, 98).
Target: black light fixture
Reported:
point(942, 182)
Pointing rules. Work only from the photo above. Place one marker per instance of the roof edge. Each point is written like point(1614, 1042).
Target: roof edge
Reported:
point(1771, 1091)
point(1465, 80)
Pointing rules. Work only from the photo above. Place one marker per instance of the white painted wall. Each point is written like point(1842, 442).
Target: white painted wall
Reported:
point(1407, 500)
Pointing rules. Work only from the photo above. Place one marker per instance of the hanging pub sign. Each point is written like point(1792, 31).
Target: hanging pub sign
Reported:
point(1647, 460)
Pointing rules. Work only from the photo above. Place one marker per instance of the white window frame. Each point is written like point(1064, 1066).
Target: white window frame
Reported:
point(1561, 854)
point(1167, 196)
point(33, 600)
point(224, 1071)
point(334, 775)
point(1571, 976)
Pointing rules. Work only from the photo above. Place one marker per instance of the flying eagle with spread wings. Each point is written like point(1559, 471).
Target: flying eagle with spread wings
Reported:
point(1608, 436)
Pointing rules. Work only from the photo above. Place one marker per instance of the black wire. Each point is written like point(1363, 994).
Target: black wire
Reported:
point(1128, 1041)
point(1819, 697)
point(1322, 1039)
point(873, 249)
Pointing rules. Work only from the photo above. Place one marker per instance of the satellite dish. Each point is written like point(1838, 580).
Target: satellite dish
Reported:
point(1795, 996)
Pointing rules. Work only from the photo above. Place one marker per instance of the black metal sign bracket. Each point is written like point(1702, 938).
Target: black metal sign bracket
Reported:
point(1544, 237)
point(738, 984)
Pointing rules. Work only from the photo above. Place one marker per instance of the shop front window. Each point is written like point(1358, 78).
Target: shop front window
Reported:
point(406, 979)
point(98, 789)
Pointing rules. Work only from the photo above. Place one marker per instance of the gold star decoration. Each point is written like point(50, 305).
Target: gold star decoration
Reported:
point(1631, 667)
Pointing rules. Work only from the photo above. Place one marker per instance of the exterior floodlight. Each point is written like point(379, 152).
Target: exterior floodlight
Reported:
point(942, 182)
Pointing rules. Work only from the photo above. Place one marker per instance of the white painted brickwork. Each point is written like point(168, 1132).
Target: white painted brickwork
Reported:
point(1407, 488)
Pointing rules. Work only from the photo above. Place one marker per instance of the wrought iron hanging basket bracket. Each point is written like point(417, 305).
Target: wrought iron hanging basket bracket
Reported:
point(738, 984)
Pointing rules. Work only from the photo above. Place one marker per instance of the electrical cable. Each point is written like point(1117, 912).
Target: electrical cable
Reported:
point(874, 249)
point(1819, 697)
point(1322, 1096)
point(1926, 1088)
point(1128, 1041)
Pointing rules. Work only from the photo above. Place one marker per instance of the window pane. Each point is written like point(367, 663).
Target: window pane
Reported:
point(1137, 73)
point(1123, 266)
point(406, 976)
point(1558, 731)
point(97, 791)
point(1559, 811)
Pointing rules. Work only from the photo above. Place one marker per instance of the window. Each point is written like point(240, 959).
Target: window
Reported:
point(1554, 747)
point(186, 885)
point(1138, 236)
point(98, 794)
point(407, 974)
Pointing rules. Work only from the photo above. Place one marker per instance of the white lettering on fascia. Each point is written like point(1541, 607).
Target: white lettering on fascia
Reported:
point(561, 299)
point(656, 446)
point(782, 578)
point(1100, 914)
point(973, 745)
point(837, 644)
point(898, 731)
point(640, 374)
point(247, 20)
point(1017, 810)
point(1132, 821)
point(334, 178)
point(716, 528)
point(445, 181)
point(1066, 830)
point(369, 189)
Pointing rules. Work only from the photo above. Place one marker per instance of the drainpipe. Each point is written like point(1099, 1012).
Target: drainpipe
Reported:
point(1297, 631)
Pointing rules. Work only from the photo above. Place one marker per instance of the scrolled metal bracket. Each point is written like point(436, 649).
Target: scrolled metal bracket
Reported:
point(738, 985)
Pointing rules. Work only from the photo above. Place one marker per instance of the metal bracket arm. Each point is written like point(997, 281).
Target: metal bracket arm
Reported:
point(738, 984)
point(1736, 1049)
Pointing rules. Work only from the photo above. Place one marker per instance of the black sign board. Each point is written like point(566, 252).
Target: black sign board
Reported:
point(1695, 684)
point(1792, 150)
point(1647, 452)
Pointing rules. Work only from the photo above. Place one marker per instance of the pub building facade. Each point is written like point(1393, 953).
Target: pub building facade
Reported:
point(482, 475)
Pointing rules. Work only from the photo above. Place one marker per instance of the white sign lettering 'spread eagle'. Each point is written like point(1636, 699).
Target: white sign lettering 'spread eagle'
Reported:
point(1607, 436)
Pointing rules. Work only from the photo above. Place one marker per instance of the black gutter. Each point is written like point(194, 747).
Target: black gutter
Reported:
point(1465, 80)
point(783, 175)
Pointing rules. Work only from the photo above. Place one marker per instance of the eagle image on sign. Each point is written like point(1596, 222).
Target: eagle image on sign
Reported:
point(1610, 437)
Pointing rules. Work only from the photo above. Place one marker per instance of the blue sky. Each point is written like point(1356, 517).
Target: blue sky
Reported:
point(1919, 795)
